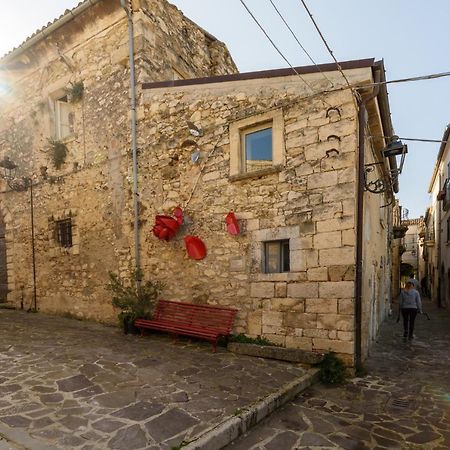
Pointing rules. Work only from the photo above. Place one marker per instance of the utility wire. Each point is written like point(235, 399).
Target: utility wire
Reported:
point(409, 139)
point(326, 43)
point(274, 45)
point(299, 43)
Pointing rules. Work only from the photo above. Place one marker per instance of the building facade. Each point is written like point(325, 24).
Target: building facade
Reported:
point(437, 232)
point(295, 163)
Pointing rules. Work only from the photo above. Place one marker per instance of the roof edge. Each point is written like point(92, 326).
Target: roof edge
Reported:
point(272, 73)
point(46, 31)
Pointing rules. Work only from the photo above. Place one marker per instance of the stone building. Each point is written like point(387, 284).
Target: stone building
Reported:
point(65, 108)
point(292, 270)
point(296, 158)
point(437, 237)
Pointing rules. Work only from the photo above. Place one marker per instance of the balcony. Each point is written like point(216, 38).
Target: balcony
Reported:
point(429, 238)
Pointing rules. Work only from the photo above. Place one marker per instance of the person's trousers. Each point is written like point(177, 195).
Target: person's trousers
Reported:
point(409, 316)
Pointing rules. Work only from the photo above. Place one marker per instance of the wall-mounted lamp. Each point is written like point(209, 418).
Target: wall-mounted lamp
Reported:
point(396, 148)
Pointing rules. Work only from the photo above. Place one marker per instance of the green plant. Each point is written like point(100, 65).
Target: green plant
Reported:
point(332, 369)
point(75, 92)
point(59, 152)
point(135, 300)
point(243, 339)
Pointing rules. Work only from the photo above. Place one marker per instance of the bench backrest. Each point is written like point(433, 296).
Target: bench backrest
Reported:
point(196, 316)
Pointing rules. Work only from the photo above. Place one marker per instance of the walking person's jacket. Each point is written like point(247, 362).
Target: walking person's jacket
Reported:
point(410, 299)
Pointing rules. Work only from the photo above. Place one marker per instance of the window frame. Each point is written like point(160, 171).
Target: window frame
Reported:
point(59, 102)
point(64, 232)
point(284, 250)
point(240, 128)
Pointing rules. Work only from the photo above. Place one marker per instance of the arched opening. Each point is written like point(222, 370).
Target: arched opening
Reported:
point(3, 265)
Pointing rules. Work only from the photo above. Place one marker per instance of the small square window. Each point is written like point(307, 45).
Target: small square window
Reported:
point(64, 118)
point(276, 256)
point(64, 233)
point(257, 148)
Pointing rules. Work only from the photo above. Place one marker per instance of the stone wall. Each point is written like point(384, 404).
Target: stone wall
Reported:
point(310, 201)
point(93, 185)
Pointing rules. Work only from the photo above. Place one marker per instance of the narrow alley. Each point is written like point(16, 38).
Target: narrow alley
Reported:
point(402, 403)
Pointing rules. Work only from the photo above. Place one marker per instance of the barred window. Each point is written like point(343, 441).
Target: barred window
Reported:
point(64, 233)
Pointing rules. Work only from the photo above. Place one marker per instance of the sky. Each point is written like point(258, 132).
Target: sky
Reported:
point(412, 36)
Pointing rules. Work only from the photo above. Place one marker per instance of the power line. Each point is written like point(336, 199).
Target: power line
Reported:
point(439, 141)
point(326, 44)
point(273, 44)
point(298, 42)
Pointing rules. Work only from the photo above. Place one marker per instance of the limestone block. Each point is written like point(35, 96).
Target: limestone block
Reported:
point(341, 273)
point(303, 343)
point(237, 264)
point(273, 330)
point(347, 175)
point(211, 176)
point(321, 305)
point(312, 258)
point(304, 169)
point(320, 180)
point(348, 237)
point(314, 332)
point(338, 161)
point(262, 290)
point(252, 224)
point(330, 239)
point(301, 243)
point(325, 345)
point(303, 290)
point(317, 151)
point(340, 223)
point(346, 306)
point(340, 129)
point(317, 274)
point(273, 318)
point(279, 339)
point(307, 227)
point(298, 124)
point(297, 260)
point(310, 136)
point(338, 289)
point(329, 257)
point(327, 211)
point(287, 304)
point(345, 335)
point(340, 192)
point(280, 290)
point(335, 322)
point(300, 320)
point(348, 207)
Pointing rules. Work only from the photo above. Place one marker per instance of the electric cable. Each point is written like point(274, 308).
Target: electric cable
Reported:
point(439, 141)
point(299, 43)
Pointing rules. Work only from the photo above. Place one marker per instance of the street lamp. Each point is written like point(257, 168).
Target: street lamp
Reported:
point(20, 185)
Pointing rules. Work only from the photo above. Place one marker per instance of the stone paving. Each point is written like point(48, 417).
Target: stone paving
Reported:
point(403, 402)
point(67, 384)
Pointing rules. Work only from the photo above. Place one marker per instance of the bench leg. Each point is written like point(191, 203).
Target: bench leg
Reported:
point(214, 343)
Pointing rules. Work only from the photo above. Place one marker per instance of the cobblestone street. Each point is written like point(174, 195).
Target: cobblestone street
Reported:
point(403, 402)
point(68, 384)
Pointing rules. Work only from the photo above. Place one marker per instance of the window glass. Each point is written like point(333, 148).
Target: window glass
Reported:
point(276, 256)
point(64, 118)
point(258, 149)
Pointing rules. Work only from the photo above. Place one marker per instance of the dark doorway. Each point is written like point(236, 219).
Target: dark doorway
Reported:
point(3, 269)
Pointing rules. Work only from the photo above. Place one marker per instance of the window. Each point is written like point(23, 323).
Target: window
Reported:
point(64, 233)
point(276, 256)
point(257, 145)
point(64, 118)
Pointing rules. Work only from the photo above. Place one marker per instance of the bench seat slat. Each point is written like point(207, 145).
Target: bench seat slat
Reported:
point(203, 321)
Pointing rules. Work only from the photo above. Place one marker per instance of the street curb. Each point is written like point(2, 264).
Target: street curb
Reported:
point(222, 434)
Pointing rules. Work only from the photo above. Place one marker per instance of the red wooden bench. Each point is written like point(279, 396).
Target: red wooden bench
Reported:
point(200, 321)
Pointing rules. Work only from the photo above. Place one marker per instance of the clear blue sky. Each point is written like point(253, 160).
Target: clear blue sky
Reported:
point(412, 36)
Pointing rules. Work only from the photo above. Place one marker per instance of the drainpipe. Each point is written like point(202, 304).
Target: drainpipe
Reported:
point(360, 217)
point(137, 253)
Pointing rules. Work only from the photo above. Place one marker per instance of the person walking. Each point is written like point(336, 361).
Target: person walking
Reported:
point(414, 282)
point(409, 305)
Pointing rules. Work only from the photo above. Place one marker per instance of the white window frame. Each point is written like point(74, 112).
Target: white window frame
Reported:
point(59, 105)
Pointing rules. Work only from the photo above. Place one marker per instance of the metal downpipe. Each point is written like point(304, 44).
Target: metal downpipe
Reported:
point(360, 219)
point(133, 135)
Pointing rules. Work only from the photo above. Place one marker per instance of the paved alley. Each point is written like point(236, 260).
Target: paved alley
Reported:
point(67, 384)
point(403, 402)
